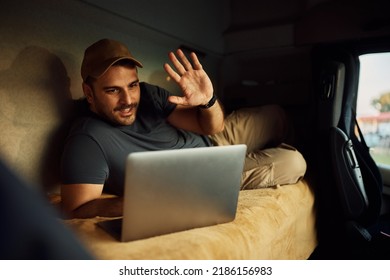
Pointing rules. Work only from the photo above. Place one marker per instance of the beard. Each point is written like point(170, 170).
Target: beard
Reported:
point(121, 115)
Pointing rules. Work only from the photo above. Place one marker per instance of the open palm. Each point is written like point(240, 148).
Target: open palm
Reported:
point(194, 82)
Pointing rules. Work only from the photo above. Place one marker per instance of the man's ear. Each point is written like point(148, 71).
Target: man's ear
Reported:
point(88, 92)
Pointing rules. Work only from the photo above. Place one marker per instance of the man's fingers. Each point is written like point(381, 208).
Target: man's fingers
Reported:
point(195, 61)
point(171, 72)
point(179, 67)
point(185, 62)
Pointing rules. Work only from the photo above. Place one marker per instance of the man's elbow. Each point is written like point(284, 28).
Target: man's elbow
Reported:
point(67, 213)
point(79, 212)
point(220, 128)
point(70, 210)
point(216, 129)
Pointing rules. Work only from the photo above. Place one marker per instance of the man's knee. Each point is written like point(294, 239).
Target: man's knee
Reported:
point(294, 165)
point(258, 127)
point(283, 165)
point(291, 165)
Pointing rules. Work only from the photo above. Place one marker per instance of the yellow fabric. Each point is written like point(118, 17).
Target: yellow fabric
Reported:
point(272, 223)
point(34, 105)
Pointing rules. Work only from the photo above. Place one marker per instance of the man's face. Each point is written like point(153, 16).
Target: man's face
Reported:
point(115, 95)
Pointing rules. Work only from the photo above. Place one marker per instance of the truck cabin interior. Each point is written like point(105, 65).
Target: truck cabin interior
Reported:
point(326, 62)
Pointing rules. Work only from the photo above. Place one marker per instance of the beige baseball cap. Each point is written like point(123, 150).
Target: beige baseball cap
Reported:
point(102, 55)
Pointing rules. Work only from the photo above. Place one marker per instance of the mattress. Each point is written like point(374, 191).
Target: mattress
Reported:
point(273, 223)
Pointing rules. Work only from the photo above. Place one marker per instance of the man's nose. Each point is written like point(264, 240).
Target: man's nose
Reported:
point(125, 97)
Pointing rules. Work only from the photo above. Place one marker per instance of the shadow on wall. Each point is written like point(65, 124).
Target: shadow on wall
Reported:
point(35, 103)
point(162, 79)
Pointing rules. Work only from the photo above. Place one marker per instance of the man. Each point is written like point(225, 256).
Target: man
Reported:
point(128, 116)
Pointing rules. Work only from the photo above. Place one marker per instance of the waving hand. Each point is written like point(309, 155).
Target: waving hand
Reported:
point(192, 79)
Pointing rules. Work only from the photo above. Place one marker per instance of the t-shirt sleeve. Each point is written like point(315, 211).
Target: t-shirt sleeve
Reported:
point(167, 106)
point(159, 98)
point(83, 162)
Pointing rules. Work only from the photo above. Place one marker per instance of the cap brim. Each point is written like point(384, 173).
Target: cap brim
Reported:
point(99, 71)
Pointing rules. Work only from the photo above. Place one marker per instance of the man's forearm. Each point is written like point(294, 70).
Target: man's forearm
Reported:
point(104, 207)
point(211, 119)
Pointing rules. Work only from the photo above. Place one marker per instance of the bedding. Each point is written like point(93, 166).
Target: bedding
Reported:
point(271, 223)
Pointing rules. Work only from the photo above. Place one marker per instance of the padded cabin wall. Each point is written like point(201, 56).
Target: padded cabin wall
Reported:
point(267, 76)
point(42, 44)
point(281, 76)
point(65, 28)
point(199, 23)
point(262, 64)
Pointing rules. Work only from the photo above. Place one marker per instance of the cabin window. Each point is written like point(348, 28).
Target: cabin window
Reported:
point(373, 104)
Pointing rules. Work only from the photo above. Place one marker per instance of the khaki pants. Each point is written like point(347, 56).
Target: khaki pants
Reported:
point(269, 161)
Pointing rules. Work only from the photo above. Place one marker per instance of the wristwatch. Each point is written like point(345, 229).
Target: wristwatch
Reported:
point(210, 103)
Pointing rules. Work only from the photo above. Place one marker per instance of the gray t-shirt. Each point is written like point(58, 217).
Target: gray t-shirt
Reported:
point(96, 150)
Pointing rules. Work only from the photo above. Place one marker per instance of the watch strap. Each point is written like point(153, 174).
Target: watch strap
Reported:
point(210, 103)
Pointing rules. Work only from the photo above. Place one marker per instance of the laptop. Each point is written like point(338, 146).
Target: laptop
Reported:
point(176, 190)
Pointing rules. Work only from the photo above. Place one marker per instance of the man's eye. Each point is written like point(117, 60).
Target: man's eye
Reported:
point(134, 85)
point(112, 90)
